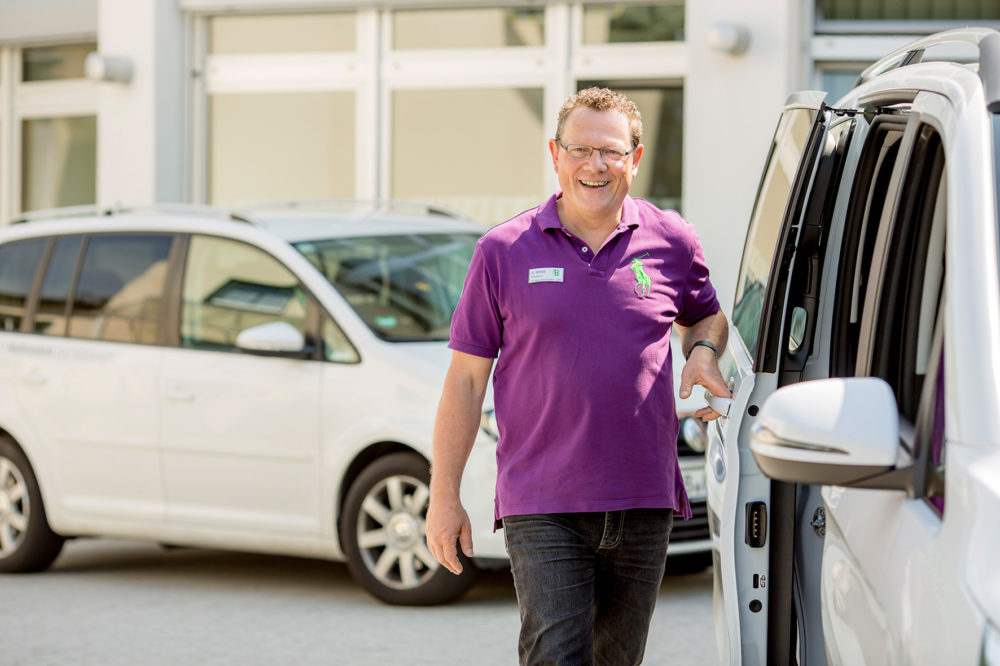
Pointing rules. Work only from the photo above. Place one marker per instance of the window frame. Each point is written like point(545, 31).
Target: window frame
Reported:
point(375, 70)
point(33, 100)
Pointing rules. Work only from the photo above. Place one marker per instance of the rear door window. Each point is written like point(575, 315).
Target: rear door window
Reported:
point(53, 297)
point(18, 265)
point(870, 196)
point(120, 289)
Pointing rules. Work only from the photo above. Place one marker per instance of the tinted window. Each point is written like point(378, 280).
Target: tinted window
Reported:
point(905, 304)
point(53, 298)
point(765, 225)
point(868, 200)
point(229, 287)
point(120, 288)
point(18, 263)
point(404, 287)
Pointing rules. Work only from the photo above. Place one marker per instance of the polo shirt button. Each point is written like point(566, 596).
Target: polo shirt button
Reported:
point(584, 248)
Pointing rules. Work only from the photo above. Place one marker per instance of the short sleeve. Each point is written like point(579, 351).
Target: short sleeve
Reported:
point(699, 298)
point(476, 327)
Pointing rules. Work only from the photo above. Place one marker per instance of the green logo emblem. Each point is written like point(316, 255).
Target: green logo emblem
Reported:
point(642, 280)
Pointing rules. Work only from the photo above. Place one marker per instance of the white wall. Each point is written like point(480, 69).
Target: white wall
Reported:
point(140, 131)
point(731, 107)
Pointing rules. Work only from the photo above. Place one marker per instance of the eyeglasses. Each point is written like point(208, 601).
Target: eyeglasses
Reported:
point(578, 151)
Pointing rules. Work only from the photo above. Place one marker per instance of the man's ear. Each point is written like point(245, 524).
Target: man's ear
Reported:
point(636, 156)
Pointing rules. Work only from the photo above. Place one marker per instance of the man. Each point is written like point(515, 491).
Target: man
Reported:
point(577, 297)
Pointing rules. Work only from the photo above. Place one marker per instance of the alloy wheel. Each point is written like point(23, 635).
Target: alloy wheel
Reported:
point(15, 507)
point(392, 532)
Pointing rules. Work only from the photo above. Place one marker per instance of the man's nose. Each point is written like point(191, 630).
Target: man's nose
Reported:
point(596, 155)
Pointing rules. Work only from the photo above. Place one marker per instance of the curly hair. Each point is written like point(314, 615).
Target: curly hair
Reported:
point(602, 99)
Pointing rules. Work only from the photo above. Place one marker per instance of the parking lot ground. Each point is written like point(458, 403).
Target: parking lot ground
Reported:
point(107, 602)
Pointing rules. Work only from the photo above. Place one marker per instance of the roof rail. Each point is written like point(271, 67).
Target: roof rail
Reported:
point(360, 205)
point(122, 209)
point(914, 52)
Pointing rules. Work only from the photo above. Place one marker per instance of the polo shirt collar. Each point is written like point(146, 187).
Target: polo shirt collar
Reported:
point(548, 214)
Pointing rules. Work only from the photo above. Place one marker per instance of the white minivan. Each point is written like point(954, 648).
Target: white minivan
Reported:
point(263, 382)
point(854, 487)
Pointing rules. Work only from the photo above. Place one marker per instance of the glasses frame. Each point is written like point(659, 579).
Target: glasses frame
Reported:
point(590, 151)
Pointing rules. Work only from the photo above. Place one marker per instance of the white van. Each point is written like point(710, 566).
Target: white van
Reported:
point(264, 383)
point(865, 359)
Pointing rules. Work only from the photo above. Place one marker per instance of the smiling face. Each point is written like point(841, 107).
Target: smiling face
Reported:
point(594, 188)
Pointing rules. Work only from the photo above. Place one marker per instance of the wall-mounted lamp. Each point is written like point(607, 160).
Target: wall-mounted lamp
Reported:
point(729, 38)
point(101, 67)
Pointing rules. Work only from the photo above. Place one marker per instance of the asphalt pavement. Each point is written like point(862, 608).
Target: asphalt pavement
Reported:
point(108, 602)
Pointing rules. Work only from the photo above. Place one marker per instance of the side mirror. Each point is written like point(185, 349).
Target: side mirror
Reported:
point(277, 338)
point(840, 432)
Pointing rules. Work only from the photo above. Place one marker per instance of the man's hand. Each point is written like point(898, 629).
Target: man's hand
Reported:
point(459, 413)
point(702, 369)
point(448, 523)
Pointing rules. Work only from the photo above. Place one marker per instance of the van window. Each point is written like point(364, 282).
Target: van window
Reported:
point(790, 141)
point(868, 200)
point(904, 306)
point(53, 297)
point(120, 289)
point(230, 286)
point(18, 264)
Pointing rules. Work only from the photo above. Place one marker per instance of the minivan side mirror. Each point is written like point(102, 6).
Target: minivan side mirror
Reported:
point(276, 338)
point(837, 431)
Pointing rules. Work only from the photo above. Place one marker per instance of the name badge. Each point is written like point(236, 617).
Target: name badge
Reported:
point(545, 275)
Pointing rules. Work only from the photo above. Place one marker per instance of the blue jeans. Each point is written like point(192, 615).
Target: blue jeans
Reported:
point(586, 583)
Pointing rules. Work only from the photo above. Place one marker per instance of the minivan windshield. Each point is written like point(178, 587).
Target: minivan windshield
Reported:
point(405, 287)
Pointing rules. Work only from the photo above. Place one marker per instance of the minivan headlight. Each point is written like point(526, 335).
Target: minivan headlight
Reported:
point(488, 424)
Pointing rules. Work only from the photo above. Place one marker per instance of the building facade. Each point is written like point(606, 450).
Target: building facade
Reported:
point(230, 102)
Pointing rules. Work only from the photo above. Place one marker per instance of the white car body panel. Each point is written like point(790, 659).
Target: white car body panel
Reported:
point(734, 629)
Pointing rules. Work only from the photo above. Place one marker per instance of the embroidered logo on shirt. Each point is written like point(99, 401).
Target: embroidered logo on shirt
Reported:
point(642, 280)
point(545, 275)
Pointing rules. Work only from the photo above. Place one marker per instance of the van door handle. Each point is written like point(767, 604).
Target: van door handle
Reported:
point(33, 378)
point(719, 404)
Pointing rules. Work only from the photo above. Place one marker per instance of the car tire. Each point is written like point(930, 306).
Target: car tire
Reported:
point(688, 563)
point(383, 532)
point(27, 543)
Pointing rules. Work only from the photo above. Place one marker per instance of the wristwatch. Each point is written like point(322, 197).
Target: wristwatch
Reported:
point(703, 343)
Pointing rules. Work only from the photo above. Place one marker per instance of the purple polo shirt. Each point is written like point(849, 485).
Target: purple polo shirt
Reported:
point(583, 387)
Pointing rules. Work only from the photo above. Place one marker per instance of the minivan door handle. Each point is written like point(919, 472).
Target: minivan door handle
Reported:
point(719, 404)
